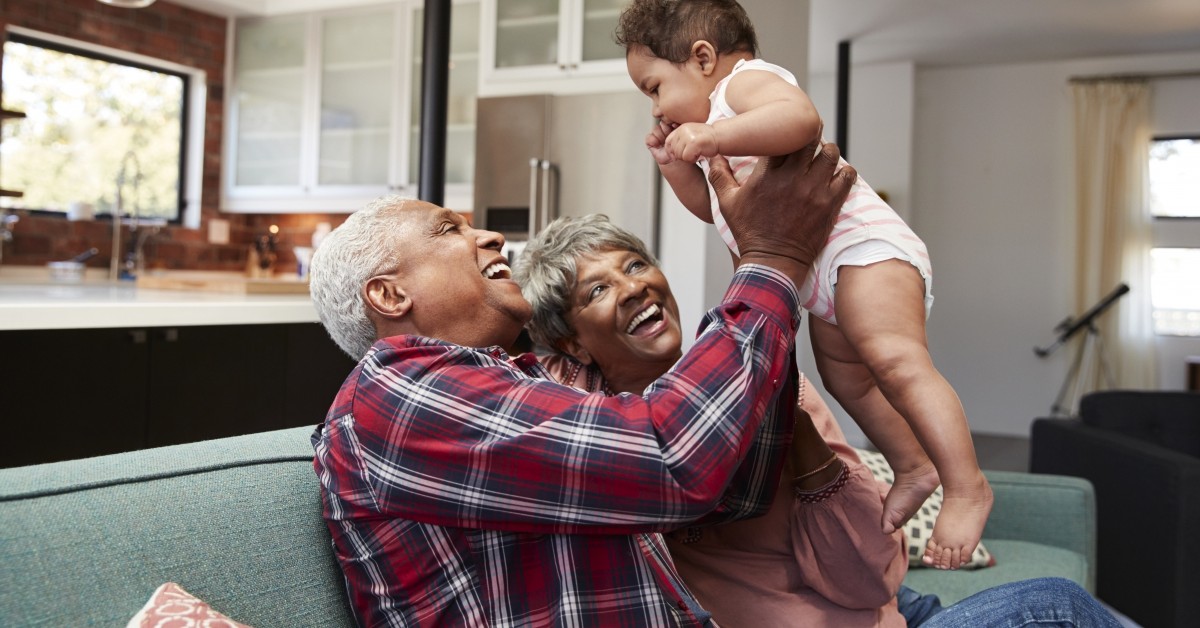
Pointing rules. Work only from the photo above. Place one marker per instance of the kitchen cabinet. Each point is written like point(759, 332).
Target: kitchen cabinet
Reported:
point(313, 110)
point(323, 109)
point(550, 46)
point(86, 392)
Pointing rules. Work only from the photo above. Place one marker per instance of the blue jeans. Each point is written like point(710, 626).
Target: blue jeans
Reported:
point(1038, 602)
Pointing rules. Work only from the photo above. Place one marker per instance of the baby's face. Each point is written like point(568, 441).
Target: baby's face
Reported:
point(679, 92)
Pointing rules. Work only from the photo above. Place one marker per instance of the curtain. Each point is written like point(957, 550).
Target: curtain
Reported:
point(1112, 140)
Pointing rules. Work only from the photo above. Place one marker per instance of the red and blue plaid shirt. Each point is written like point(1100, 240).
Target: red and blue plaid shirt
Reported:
point(464, 488)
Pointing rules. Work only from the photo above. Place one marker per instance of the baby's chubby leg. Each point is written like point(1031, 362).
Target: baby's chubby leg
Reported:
point(881, 312)
point(847, 378)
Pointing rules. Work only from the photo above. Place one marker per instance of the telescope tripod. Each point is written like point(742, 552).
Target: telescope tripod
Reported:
point(1090, 352)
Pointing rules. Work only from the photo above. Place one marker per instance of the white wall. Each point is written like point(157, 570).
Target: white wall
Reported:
point(992, 196)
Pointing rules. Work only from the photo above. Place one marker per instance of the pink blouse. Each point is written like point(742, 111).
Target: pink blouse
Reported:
point(824, 563)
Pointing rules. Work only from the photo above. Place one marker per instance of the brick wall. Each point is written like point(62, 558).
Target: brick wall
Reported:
point(180, 35)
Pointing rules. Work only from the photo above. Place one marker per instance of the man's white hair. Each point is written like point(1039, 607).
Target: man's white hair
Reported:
point(355, 251)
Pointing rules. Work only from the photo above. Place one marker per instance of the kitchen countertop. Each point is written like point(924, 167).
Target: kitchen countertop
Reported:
point(30, 300)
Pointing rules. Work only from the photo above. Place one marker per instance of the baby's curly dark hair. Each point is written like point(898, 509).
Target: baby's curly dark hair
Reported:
point(668, 28)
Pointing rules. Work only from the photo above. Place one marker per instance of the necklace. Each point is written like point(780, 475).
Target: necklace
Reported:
point(595, 380)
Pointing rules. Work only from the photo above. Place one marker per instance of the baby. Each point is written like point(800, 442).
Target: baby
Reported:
point(869, 289)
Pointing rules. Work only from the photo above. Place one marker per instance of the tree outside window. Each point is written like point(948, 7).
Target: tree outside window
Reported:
point(84, 114)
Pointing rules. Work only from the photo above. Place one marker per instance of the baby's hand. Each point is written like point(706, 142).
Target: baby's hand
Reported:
point(656, 141)
point(691, 141)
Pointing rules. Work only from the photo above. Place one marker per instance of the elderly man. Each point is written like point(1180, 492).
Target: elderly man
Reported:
point(463, 487)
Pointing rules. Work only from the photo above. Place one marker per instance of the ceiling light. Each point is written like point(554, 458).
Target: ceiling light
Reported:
point(129, 4)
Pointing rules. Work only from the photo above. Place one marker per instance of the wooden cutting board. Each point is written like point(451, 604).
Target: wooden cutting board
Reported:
point(201, 281)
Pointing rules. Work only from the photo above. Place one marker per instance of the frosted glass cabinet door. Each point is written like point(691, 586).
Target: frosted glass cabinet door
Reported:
point(357, 68)
point(527, 33)
point(269, 65)
point(460, 97)
point(599, 23)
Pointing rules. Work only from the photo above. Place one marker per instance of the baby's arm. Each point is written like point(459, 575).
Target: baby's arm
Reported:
point(685, 178)
point(773, 117)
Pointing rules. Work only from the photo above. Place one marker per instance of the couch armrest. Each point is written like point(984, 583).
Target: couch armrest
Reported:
point(1148, 500)
point(1049, 509)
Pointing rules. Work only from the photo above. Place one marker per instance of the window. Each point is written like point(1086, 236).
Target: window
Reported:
point(93, 120)
point(1174, 194)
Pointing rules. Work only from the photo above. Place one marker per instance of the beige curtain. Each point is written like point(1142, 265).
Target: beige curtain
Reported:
point(1112, 137)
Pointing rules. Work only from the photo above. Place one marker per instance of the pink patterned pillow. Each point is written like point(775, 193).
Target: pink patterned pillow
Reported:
point(172, 607)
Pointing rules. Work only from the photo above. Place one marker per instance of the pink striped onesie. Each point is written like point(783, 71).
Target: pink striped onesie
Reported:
point(867, 229)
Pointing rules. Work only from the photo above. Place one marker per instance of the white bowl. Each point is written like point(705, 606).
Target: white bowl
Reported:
point(66, 272)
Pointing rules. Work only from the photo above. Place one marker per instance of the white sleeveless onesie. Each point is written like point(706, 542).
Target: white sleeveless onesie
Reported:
point(867, 229)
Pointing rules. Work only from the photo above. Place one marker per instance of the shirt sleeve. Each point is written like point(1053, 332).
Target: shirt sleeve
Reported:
point(451, 436)
point(753, 487)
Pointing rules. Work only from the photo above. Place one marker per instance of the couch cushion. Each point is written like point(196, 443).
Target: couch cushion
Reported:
point(1015, 560)
point(171, 606)
point(236, 521)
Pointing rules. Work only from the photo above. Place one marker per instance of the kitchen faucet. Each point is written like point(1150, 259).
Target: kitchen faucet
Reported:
point(118, 268)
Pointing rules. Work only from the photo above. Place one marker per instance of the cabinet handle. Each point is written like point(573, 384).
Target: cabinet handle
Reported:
point(169, 334)
point(137, 336)
point(534, 165)
point(549, 209)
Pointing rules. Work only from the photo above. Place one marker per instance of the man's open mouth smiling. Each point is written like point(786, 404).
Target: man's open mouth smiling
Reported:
point(497, 270)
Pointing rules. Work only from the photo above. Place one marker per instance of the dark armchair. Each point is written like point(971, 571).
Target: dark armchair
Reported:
point(1141, 451)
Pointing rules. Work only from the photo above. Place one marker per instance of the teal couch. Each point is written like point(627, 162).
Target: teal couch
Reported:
point(237, 522)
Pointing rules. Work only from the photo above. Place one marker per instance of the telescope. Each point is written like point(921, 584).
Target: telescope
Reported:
point(1079, 373)
point(1071, 326)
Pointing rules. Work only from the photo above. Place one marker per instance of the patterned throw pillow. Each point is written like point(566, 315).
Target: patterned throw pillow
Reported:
point(171, 606)
point(918, 529)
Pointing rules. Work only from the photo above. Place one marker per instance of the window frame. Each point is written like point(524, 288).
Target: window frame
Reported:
point(192, 112)
point(1173, 232)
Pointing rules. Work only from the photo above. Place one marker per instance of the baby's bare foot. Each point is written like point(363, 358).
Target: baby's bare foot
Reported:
point(909, 490)
point(959, 526)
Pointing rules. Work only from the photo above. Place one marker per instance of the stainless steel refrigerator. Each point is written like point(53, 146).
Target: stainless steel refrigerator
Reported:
point(540, 157)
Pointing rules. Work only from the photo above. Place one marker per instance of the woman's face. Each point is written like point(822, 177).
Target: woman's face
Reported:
point(624, 317)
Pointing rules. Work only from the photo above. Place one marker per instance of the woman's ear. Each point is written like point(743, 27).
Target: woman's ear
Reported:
point(571, 347)
point(385, 297)
point(705, 56)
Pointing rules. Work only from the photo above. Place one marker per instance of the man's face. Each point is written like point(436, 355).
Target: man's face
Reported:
point(460, 285)
point(624, 315)
point(679, 93)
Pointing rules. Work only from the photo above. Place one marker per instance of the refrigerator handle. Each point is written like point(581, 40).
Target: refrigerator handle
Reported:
point(549, 206)
point(534, 218)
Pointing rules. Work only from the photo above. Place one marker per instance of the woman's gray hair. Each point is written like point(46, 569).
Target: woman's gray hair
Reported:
point(546, 270)
point(357, 250)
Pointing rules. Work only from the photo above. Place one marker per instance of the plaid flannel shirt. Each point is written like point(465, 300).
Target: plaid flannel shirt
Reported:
point(464, 488)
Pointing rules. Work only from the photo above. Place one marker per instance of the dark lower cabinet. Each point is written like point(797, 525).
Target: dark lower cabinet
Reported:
point(71, 393)
point(68, 394)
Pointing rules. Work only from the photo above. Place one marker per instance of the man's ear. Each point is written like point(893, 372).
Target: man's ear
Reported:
point(705, 56)
point(387, 298)
point(571, 347)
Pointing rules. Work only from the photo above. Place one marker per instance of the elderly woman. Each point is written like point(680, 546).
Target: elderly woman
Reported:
point(606, 312)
